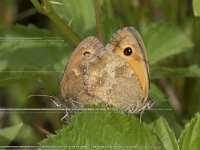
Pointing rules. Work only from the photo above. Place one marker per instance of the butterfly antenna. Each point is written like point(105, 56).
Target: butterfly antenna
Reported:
point(35, 95)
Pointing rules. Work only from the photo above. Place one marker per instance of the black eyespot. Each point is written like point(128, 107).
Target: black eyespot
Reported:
point(128, 51)
point(86, 53)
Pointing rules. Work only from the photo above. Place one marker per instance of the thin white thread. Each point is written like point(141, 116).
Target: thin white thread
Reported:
point(56, 110)
point(32, 39)
point(159, 109)
point(28, 71)
point(80, 147)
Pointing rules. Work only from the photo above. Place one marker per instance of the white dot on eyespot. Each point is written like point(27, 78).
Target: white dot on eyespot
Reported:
point(86, 53)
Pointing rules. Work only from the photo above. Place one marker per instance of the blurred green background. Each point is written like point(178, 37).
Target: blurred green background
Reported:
point(29, 65)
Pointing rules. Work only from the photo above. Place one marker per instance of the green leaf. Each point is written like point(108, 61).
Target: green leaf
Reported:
point(27, 52)
point(161, 128)
point(79, 14)
point(160, 72)
point(162, 108)
point(110, 128)
point(7, 135)
point(196, 7)
point(163, 40)
point(190, 136)
point(17, 74)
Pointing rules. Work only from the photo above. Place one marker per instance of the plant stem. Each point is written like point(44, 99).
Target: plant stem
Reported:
point(66, 31)
point(98, 20)
point(48, 10)
point(38, 6)
point(173, 100)
point(26, 14)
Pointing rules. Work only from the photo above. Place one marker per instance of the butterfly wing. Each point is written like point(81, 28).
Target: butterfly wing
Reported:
point(120, 76)
point(72, 84)
point(113, 80)
point(128, 44)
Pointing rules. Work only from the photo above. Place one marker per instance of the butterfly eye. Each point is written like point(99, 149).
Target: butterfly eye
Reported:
point(86, 53)
point(128, 51)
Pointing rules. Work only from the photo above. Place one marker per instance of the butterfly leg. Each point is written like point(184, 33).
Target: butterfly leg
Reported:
point(65, 118)
point(147, 106)
point(77, 105)
point(141, 113)
point(56, 104)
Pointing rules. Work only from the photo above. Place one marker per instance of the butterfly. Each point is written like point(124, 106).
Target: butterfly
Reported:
point(117, 74)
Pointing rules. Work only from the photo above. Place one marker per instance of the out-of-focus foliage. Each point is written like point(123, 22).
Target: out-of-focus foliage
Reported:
point(22, 52)
point(164, 40)
point(7, 135)
point(76, 19)
point(196, 4)
point(33, 58)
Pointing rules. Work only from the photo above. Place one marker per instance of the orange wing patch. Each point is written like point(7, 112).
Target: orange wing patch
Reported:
point(125, 38)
